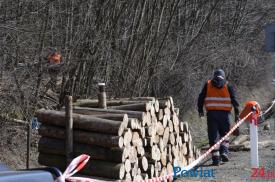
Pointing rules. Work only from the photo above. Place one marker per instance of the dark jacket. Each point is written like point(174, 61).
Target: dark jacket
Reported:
point(232, 93)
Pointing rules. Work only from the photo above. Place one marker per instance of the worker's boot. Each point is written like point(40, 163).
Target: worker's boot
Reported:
point(224, 151)
point(215, 158)
point(224, 157)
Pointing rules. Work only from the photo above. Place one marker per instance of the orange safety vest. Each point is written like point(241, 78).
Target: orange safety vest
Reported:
point(54, 58)
point(217, 98)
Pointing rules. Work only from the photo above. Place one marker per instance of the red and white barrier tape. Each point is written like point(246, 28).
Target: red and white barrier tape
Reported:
point(198, 160)
point(78, 163)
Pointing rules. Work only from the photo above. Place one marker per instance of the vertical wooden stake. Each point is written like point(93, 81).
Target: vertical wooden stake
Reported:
point(102, 103)
point(69, 127)
point(28, 145)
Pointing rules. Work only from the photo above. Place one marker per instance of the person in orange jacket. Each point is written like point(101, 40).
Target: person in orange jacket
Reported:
point(218, 97)
point(54, 58)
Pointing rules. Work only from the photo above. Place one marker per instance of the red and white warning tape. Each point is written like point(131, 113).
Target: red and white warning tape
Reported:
point(78, 163)
point(198, 160)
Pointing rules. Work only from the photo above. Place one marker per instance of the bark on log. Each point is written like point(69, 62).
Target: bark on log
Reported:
point(57, 146)
point(80, 121)
point(98, 111)
point(99, 139)
point(134, 107)
point(93, 103)
point(93, 167)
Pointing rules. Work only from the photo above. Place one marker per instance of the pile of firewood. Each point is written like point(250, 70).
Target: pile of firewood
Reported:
point(133, 139)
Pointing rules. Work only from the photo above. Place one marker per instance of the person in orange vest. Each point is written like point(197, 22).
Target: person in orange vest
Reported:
point(54, 58)
point(218, 97)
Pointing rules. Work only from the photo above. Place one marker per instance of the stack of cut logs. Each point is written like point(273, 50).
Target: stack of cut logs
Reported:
point(133, 139)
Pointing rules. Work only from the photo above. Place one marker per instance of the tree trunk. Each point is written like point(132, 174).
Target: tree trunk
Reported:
point(80, 121)
point(93, 167)
point(57, 146)
point(99, 139)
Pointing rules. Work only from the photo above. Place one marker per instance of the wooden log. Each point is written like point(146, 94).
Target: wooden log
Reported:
point(93, 167)
point(177, 111)
point(112, 116)
point(134, 170)
point(184, 136)
point(133, 156)
point(128, 177)
point(99, 139)
point(147, 121)
point(166, 136)
point(140, 150)
point(144, 176)
point(143, 163)
point(57, 146)
point(142, 132)
point(134, 124)
point(136, 139)
point(127, 137)
point(171, 126)
point(164, 104)
point(152, 171)
point(69, 128)
point(127, 165)
point(156, 106)
point(80, 121)
point(167, 111)
point(170, 170)
point(160, 115)
point(161, 144)
point(153, 112)
point(184, 149)
point(158, 165)
point(134, 107)
point(141, 99)
point(175, 151)
point(150, 131)
point(172, 139)
point(165, 120)
point(97, 111)
point(126, 153)
point(185, 127)
point(155, 153)
point(93, 103)
point(156, 172)
point(189, 149)
point(163, 157)
point(102, 97)
point(169, 147)
point(160, 128)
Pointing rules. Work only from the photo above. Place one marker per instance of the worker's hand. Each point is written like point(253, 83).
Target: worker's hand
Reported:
point(236, 132)
point(201, 114)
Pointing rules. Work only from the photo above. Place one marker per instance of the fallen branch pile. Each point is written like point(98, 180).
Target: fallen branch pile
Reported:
point(137, 138)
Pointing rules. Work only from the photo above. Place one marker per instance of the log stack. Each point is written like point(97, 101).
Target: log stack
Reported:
point(133, 139)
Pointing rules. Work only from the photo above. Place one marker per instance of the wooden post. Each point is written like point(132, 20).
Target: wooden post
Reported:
point(69, 127)
point(102, 103)
point(28, 145)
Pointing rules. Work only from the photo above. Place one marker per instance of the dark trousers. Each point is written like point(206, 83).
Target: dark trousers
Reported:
point(218, 124)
